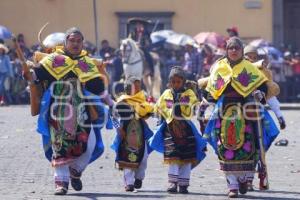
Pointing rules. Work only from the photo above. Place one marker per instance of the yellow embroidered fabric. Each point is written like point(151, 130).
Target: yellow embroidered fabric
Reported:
point(165, 104)
point(138, 102)
point(58, 65)
point(243, 77)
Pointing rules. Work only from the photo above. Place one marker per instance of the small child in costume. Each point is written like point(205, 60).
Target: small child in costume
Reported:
point(251, 54)
point(131, 142)
point(177, 137)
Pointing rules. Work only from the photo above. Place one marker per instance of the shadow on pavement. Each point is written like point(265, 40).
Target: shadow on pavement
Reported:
point(190, 193)
point(268, 197)
point(138, 194)
point(282, 192)
point(121, 195)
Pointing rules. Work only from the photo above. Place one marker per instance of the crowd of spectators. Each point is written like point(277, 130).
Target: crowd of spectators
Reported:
point(196, 61)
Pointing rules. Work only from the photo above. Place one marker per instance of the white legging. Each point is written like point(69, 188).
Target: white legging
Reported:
point(180, 174)
point(275, 106)
point(131, 174)
point(62, 173)
point(233, 179)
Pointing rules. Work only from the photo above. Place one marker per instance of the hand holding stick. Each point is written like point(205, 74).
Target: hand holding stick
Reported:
point(25, 68)
point(35, 93)
point(262, 165)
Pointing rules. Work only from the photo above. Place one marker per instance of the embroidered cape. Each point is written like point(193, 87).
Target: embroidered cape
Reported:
point(58, 64)
point(138, 102)
point(243, 77)
point(165, 104)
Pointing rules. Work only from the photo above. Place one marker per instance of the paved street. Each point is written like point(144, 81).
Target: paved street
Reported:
point(26, 174)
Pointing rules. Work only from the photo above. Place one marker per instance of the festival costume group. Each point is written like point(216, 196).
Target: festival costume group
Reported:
point(78, 95)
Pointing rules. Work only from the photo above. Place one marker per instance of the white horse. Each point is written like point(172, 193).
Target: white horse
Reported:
point(134, 64)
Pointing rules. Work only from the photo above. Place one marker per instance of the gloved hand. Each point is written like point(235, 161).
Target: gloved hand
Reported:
point(258, 95)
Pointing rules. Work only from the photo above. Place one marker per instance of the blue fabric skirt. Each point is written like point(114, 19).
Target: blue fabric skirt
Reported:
point(43, 126)
point(157, 141)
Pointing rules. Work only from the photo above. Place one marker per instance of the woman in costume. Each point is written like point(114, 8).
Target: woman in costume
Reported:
point(177, 137)
point(70, 113)
point(132, 140)
point(232, 130)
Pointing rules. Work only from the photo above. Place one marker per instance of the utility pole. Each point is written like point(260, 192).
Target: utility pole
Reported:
point(96, 26)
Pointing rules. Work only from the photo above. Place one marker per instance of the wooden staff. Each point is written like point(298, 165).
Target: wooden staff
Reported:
point(35, 93)
point(262, 164)
point(25, 67)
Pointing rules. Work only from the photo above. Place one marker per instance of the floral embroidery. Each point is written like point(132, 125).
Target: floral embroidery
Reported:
point(218, 123)
point(245, 78)
point(247, 146)
point(229, 154)
point(132, 157)
point(185, 99)
point(219, 83)
point(76, 150)
point(83, 137)
point(84, 66)
point(248, 129)
point(169, 103)
point(59, 61)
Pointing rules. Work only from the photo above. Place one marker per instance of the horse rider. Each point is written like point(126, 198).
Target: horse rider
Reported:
point(141, 35)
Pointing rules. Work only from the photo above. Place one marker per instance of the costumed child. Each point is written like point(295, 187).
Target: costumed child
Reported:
point(177, 137)
point(251, 54)
point(131, 142)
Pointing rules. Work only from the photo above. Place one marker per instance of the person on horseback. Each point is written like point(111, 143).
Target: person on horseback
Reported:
point(141, 35)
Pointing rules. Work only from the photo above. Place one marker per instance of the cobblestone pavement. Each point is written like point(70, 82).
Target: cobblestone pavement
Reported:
point(26, 174)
